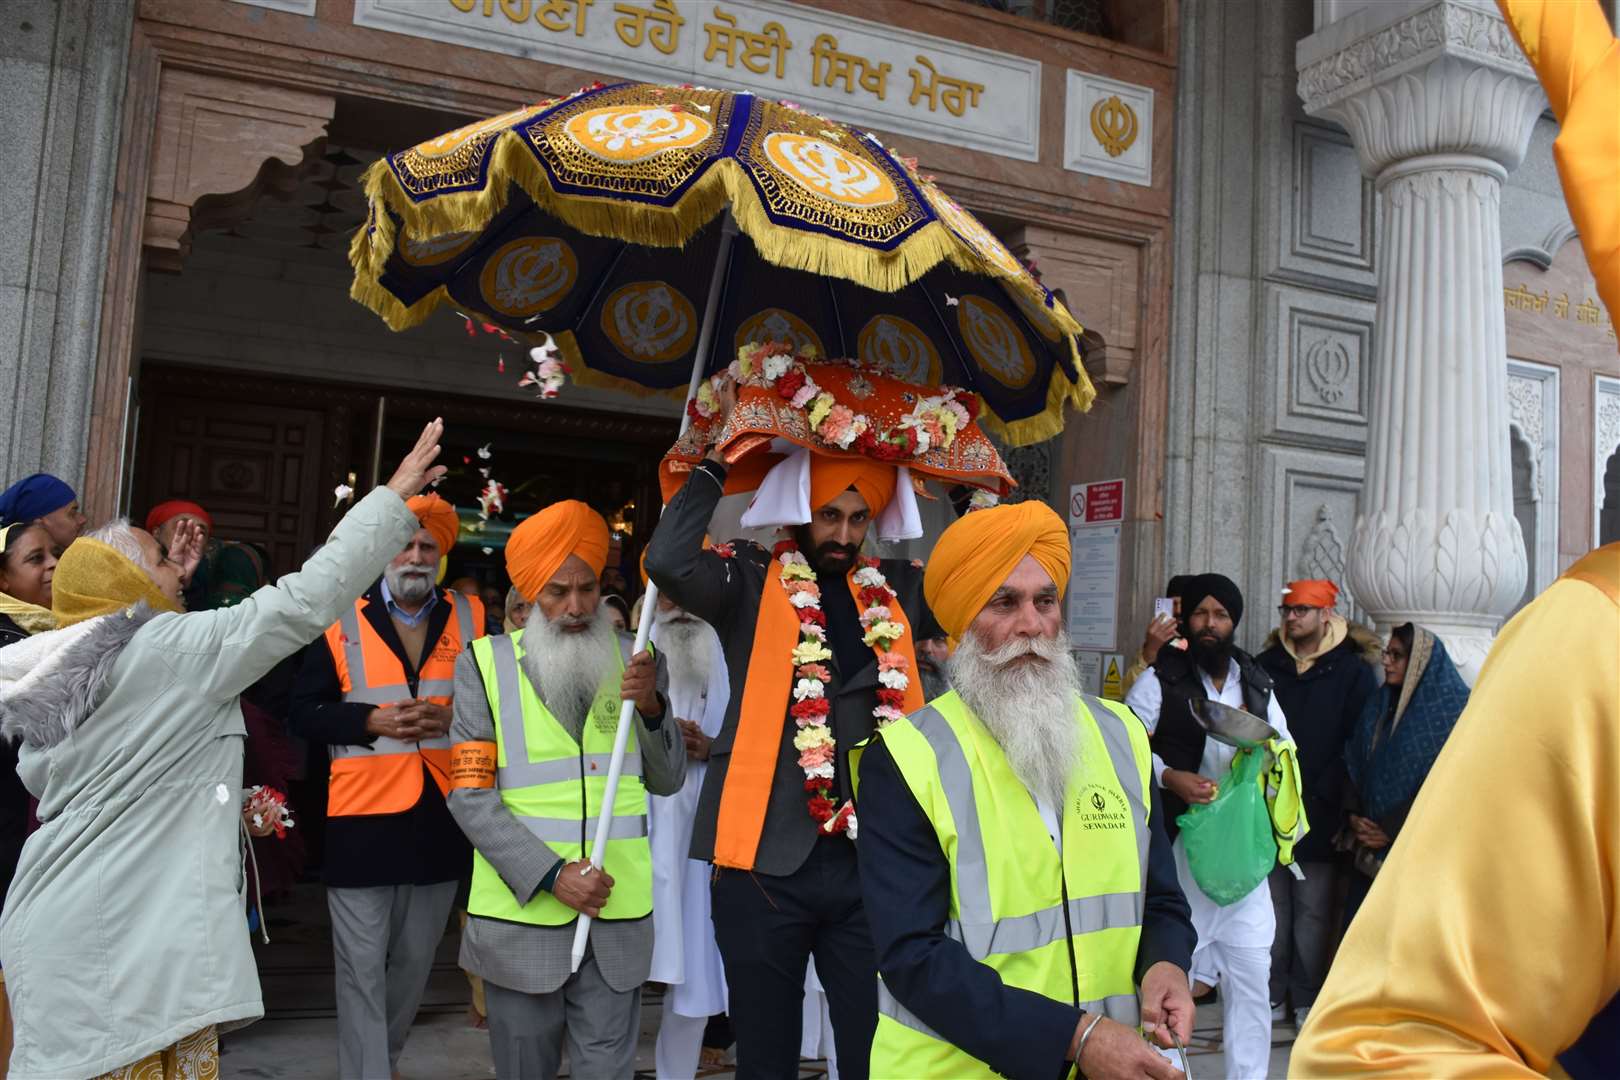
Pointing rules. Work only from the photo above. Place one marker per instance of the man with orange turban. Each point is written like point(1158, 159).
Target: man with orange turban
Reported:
point(378, 695)
point(535, 718)
point(993, 815)
point(819, 648)
point(1322, 673)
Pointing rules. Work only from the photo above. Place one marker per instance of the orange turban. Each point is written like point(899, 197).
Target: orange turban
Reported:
point(830, 477)
point(1312, 592)
point(437, 517)
point(537, 548)
point(975, 556)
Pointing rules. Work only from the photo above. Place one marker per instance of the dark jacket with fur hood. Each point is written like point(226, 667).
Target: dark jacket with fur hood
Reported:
point(1322, 705)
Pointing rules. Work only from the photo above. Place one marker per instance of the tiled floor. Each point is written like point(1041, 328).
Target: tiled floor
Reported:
point(297, 1039)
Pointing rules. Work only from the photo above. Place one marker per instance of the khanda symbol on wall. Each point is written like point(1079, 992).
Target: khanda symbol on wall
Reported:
point(1114, 124)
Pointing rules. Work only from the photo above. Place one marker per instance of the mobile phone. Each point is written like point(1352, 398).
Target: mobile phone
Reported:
point(1164, 605)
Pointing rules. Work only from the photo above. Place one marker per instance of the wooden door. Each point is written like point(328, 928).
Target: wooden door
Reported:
point(256, 467)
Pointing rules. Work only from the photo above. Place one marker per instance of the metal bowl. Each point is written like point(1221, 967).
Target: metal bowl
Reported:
point(1232, 726)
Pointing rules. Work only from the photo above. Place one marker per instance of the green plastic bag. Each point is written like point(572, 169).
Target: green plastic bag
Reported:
point(1230, 846)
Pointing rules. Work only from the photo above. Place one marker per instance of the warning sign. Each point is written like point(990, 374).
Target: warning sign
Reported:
point(1113, 680)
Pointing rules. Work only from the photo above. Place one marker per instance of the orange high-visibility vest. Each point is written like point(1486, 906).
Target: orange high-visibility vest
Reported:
point(386, 777)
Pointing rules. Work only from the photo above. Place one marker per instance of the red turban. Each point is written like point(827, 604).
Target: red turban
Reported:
point(537, 548)
point(1312, 592)
point(437, 517)
point(975, 556)
point(168, 511)
point(830, 477)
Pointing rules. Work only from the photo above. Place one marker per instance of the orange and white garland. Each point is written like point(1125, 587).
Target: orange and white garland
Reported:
point(818, 751)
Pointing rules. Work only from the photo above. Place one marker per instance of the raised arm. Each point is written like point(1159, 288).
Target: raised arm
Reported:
point(697, 579)
point(224, 652)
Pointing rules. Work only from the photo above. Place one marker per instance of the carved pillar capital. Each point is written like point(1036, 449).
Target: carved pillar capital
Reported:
point(215, 136)
point(1421, 77)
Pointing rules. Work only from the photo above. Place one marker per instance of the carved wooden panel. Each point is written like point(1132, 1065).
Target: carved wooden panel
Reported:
point(254, 466)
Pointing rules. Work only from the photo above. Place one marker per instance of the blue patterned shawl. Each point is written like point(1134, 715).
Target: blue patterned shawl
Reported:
point(1388, 767)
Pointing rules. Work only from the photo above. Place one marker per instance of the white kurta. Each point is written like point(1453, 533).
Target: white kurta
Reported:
point(1251, 921)
point(684, 953)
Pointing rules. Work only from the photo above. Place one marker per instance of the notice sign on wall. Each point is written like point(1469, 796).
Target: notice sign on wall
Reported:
point(1096, 518)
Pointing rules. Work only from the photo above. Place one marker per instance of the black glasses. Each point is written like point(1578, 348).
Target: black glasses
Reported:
point(1298, 611)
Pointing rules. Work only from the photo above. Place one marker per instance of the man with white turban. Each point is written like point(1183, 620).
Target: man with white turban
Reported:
point(1018, 880)
point(535, 717)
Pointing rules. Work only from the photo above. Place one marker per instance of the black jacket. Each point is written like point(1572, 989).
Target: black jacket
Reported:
point(13, 795)
point(420, 846)
point(906, 886)
point(1177, 738)
point(1322, 707)
point(725, 593)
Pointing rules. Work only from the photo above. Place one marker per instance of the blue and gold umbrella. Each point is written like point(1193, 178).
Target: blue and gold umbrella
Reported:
point(653, 230)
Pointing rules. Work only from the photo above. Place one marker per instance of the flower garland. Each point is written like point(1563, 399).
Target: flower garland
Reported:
point(817, 749)
point(932, 423)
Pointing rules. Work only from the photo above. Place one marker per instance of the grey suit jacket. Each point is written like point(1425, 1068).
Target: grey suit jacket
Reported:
point(535, 959)
point(725, 593)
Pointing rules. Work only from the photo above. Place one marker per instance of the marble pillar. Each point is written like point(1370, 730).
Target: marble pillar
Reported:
point(1440, 105)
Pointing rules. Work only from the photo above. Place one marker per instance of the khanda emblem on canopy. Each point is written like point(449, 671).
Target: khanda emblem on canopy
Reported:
point(896, 347)
point(529, 275)
point(994, 341)
point(824, 169)
point(649, 321)
point(775, 324)
point(1114, 124)
point(626, 133)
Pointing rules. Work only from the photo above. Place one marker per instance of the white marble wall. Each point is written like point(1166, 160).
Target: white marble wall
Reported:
point(1274, 308)
point(61, 91)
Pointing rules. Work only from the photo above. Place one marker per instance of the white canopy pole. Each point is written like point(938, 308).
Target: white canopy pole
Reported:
point(649, 606)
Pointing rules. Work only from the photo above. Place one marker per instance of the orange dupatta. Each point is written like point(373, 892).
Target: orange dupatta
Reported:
point(764, 710)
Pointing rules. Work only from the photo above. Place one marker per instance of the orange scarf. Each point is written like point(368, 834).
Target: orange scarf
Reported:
point(747, 790)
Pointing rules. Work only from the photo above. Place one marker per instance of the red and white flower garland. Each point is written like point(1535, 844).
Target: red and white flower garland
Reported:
point(818, 751)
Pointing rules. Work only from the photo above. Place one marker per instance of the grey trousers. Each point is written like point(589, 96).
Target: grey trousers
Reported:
point(1299, 952)
point(526, 1031)
point(383, 941)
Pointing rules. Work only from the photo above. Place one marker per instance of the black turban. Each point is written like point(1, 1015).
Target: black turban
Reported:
point(1197, 586)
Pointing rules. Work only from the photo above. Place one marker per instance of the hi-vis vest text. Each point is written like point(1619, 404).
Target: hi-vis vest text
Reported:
point(554, 786)
point(1014, 906)
point(386, 777)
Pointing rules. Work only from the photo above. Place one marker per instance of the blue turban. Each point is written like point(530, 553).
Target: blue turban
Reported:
point(33, 497)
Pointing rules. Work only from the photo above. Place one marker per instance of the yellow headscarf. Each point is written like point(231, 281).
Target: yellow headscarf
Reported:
point(31, 617)
point(977, 553)
point(94, 579)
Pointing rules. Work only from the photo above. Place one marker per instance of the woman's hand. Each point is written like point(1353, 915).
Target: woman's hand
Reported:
point(417, 470)
point(1368, 833)
point(186, 549)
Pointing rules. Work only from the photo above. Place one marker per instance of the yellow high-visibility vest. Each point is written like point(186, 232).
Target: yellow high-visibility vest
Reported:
point(554, 786)
point(1015, 906)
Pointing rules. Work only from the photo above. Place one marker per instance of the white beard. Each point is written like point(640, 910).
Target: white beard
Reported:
point(1027, 708)
point(567, 669)
point(409, 583)
point(688, 649)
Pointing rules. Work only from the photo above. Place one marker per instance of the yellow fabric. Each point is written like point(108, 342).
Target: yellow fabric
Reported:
point(537, 548)
point(1333, 633)
point(830, 477)
point(93, 579)
point(977, 553)
point(1577, 58)
point(195, 1057)
point(31, 617)
point(1285, 797)
point(437, 517)
point(1492, 936)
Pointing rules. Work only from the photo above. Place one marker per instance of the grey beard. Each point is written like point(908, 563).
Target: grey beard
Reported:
point(1028, 709)
point(689, 651)
point(568, 669)
point(412, 584)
